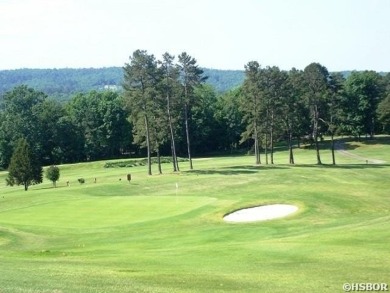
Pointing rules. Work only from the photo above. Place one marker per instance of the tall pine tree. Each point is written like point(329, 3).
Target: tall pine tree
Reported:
point(170, 86)
point(140, 84)
point(24, 168)
point(191, 76)
point(250, 106)
point(317, 92)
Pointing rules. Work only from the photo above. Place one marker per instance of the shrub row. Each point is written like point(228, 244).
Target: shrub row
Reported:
point(140, 162)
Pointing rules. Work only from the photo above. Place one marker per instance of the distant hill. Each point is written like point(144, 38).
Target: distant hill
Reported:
point(63, 83)
point(224, 80)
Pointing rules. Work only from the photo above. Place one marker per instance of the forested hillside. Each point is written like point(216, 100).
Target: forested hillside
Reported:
point(165, 107)
point(63, 83)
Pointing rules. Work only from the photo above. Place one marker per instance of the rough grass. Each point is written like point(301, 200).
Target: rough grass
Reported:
point(149, 236)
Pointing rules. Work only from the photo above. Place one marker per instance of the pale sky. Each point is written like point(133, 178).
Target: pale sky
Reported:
point(220, 34)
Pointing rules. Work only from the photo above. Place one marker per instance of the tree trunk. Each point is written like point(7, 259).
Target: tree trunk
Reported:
point(372, 128)
point(272, 137)
point(188, 134)
point(266, 149)
point(290, 148)
point(25, 186)
point(315, 134)
point(332, 146)
point(148, 145)
point(159, 161)
point(257, 148)
point(257, 156)
point(173, 146)
point(175, 162)
point(318, 151)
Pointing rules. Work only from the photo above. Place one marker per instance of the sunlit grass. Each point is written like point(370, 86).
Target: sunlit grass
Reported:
point(165, 233)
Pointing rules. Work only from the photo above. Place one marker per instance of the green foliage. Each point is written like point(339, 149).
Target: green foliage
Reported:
point(21, 116)
point(204, 131)
point(101, 125)
point(228, 120)
point(24, 169)
point(171, 95)
point(191, 77)
point(53, 174)
point(168, 107)
point(141, 162)
point(383, 112)
point(251, 106)
point(141, 80)
point(364, 91)
point(274, 89)
point(317, 86)
point(156, 94)
point(90, 126)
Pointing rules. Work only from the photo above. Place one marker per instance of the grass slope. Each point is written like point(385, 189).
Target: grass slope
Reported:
point(149, 236)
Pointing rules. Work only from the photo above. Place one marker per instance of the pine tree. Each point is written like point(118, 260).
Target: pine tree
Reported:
point(250, 106)
point(140, 85)
point(24, 168)
point(295, 115)
point(170, 85)
point(317, 84)
point(191, 77)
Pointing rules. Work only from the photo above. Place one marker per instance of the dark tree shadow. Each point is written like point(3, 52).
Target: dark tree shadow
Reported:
point(250, 169)
point(37, 187)
point(237, 170)
point(343, 166)
point(351, 143)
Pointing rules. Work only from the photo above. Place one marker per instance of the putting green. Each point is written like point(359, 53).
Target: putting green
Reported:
point(99, 212)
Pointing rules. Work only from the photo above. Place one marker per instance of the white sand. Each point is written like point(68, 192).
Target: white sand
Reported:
point(261, 213)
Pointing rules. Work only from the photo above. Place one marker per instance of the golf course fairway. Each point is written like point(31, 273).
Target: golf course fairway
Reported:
point(166, 233)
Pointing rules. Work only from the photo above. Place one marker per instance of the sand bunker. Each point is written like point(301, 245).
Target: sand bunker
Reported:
point(261, 213)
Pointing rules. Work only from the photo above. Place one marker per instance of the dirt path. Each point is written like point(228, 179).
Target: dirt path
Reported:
point(340, 148)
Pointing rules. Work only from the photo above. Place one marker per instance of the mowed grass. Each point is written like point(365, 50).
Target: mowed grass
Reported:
point(165, 233)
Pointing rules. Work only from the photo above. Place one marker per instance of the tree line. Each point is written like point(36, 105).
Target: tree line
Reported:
point(166, 108)
point(309, 104)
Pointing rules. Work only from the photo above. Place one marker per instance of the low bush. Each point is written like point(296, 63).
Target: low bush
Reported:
point(140, 162)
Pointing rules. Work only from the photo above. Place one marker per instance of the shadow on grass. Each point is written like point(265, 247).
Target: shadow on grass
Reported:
point(237, 170)
point(351, 143)
point(348, 143)
point(248, 169)
point(343, 166)
point(48, 187)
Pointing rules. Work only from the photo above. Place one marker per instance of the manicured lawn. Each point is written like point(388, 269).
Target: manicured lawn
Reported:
point(150, 236)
